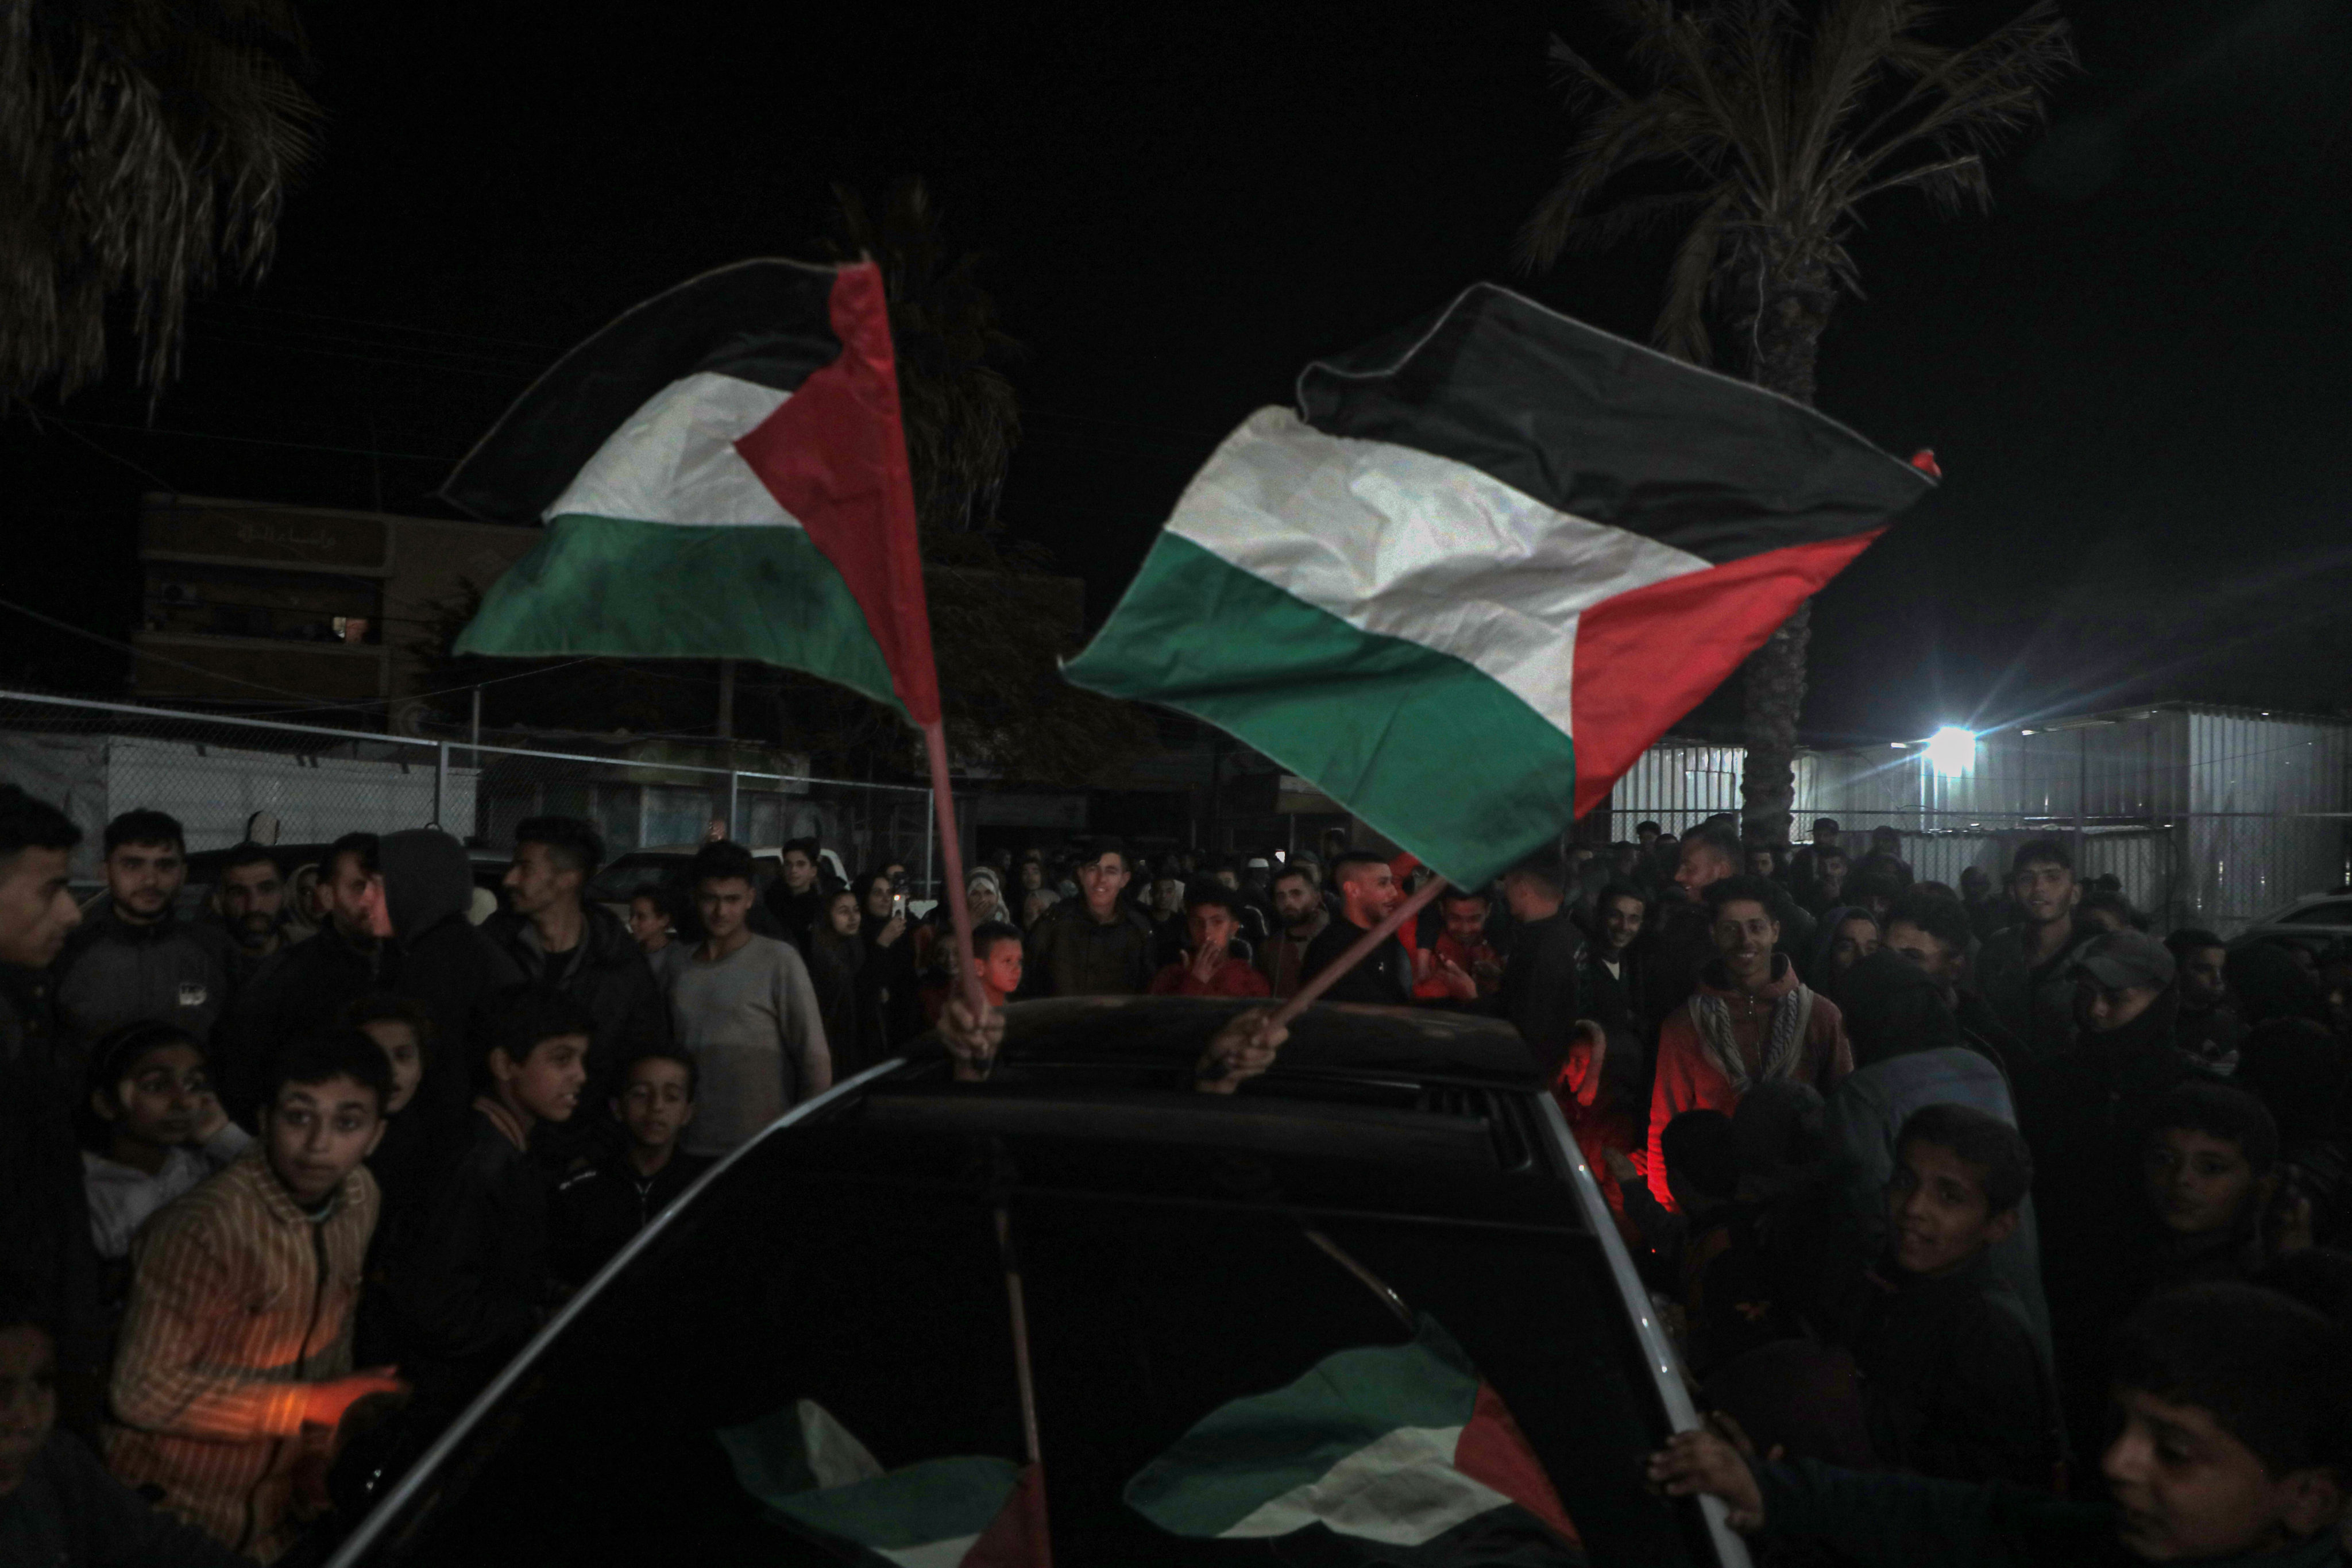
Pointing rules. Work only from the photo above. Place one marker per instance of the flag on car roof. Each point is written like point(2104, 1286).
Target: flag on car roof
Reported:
point(1483, 565)
point(819, 1481)
point(722, 474)
point(1402, 1447)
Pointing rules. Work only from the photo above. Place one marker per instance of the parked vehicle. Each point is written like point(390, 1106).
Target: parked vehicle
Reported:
point(1177, 1251)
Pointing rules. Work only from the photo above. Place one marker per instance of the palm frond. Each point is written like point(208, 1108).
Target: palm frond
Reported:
point(1681, 328)
point(1626, 134)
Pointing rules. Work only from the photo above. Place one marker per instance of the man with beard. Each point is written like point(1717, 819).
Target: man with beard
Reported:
point(1299, 917)
point(301, 993)
point(250, 899)
point(1368, 894)
point(135, 959)
point(2024, 971)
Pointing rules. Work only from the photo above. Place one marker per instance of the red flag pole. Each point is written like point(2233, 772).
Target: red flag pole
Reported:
point(1358, 952)
point(935, 742)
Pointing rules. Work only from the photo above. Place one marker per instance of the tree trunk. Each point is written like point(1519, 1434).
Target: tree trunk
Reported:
point(1788, 300)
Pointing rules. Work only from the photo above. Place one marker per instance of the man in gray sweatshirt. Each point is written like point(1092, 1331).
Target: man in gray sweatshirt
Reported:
point(743, 1005)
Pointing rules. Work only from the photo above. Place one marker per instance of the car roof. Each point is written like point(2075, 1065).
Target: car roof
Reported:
point(1341, 1039)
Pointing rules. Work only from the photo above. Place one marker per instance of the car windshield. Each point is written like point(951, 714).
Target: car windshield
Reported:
point(2336, 912)
point(855, 1262)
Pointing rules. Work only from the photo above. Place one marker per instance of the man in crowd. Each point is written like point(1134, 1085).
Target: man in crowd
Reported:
point(44, 1214)
point(1928, 929)
point(1207, 966)
point(135, 959)
point(595, 1212)
point(1804, 863)
point(235, 1361)
point(1097, 944)
point(445, 963)
point(1368, 893)
point(1825, 890)
point(302, 990)
point(1299, 917)
point(585, 951)
point(2024, 971)
point(1749, 1020)
point(1987, 913)
point(2209, 1029)
point(797, 899)
point(1885, 859)
point(1463, 967)
point(250, 899)
point(1608, 980)
point(1538, 993)
point(743, 1005)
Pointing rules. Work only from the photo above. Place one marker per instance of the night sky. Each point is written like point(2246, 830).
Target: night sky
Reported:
point(2132, 372)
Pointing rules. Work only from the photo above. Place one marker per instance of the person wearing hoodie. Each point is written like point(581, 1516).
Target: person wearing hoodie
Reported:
point(445, 963)
point(1750, 1019)
point(583, 949)
point(1909, 1053)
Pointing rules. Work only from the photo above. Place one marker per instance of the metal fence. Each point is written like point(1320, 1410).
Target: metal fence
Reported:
point(2206, 816)
point(214, 772)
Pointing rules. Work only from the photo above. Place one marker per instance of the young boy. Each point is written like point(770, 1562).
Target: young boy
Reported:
point(1953, 1379)
point(236, 1363)
point(2236, 1442)
point(160, 1129)
point(2205, 1168)
point(404, 1163)
point(596, 1212)
point(1209, 965)
point(58, 1507)
point(998, 949)
point(470, 1283)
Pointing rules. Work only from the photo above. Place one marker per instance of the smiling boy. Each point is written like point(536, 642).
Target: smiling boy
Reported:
point(235, 1358)
point(1953, 1379)
point(2235, 1408)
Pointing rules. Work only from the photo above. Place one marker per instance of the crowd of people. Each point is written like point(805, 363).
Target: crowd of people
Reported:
point(1897, 1161)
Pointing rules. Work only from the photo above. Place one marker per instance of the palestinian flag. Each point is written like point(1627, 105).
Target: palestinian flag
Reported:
point(1485, 564)
point(1403, 1447)
point(722, 474)
point(819, 1481)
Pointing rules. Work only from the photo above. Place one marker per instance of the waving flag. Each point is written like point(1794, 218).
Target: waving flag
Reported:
point(1483, 565)
point(1405, 1446)
point(722, 474)
point(819, 1481)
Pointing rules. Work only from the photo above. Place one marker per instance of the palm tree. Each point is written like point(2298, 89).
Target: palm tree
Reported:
point(144, 146)
point(1760, 130)
point(961, 417)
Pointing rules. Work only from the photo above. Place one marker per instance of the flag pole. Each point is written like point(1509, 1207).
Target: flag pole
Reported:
point(935, 742)
point(1357, 952)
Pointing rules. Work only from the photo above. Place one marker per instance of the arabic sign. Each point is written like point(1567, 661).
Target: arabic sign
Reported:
point(274, 535)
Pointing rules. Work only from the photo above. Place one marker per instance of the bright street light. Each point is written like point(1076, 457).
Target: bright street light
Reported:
point(1952, 749)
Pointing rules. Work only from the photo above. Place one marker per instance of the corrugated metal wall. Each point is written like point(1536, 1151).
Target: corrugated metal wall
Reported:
point(2206, 815)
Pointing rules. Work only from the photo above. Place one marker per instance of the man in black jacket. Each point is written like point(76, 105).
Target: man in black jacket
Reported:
point(301, 991)
point(445, 962)
point(1368, 893)
point(597, 1211)
point(1538, 990)
point(585, 951)
point(135, 959)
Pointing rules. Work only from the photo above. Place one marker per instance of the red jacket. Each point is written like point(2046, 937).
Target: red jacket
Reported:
point(1234, 977)
point(1689, 1079)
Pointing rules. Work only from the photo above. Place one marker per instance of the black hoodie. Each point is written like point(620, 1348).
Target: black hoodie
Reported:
point(447, 965)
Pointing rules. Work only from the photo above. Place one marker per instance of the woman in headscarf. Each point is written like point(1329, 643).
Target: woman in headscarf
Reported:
point(888, 975)
point(837, 959)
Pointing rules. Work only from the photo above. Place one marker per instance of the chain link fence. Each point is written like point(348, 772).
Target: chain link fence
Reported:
point(215, 772)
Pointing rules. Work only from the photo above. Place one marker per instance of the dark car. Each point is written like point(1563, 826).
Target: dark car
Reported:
point(1177, 1251)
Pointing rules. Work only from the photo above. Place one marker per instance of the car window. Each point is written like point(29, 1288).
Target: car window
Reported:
point(856, 1266)
point(2335, 913)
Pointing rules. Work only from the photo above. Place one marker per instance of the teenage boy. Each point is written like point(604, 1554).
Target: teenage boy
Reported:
point(1097, 944)
point(1213, 918)
point(743, 1005)
point(1953, 1378)
point(2024, 970)
point(470, 1284)
point(135, 959)
point(2236, 1442)
point(1299, 917)
point(2205, 1170)
point(1608, 978)
point(1368, 893)
point(1749, 1020)
point(446, 964)
point(2207, 1029)
point(58, 1507)
point(234, 1365)
point(595, 1212)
